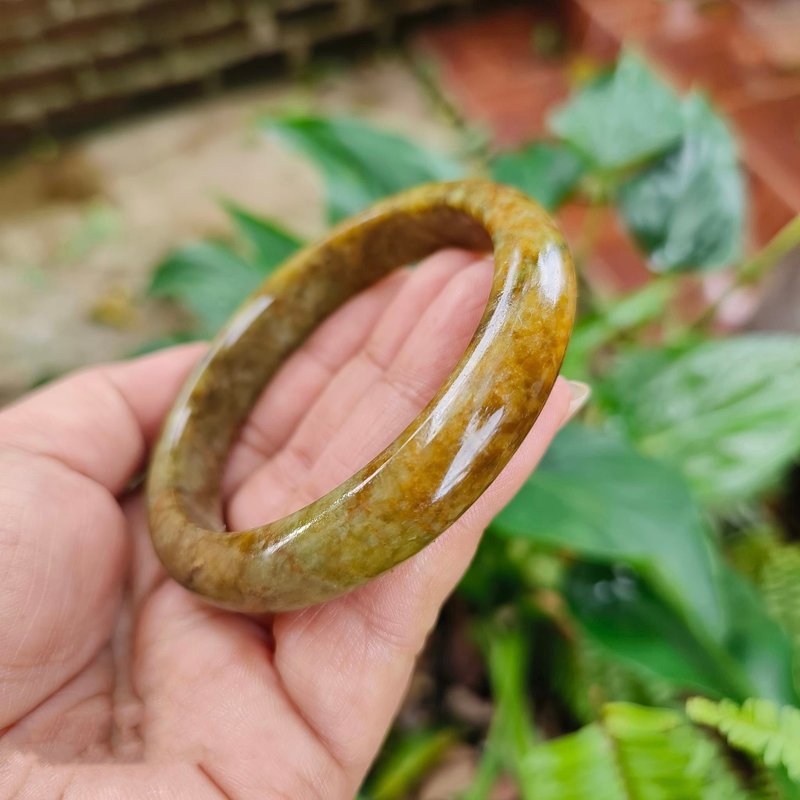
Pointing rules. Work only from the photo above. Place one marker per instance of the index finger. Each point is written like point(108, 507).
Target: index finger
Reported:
point(100, 421)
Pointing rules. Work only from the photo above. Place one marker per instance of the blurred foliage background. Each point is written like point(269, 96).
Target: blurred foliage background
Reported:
point(637, 567)
point(631, 625)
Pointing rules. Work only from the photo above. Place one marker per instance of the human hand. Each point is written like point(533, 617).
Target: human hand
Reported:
point(114, 680)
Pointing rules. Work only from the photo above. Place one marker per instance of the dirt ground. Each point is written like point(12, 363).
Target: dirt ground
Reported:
point(82, 228)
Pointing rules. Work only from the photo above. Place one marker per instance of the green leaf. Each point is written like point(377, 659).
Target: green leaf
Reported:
point(406, 762)
point(623, 615)
point(547, 172)
point(271, 245)
point(360, 163)
point(209, 278)
point(633, 753)
point(624, 118)
point(586, 677)
point(757, 642)
point(595, 496)
point(757, 727)
point(779, 583)
point(687, 209)
point(724, 412)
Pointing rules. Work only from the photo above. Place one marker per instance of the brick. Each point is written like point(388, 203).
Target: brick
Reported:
point(173, 21)
point(85, 9)
point(97, 38)
point(490, 69)
point(208, 53)
point(769, 212)
point(626, 18)
point(22, 20)
point(770, 134)
point(776, 26)
point(615, 264)
point(310, 21)
point(38, 95)
point(38, 56)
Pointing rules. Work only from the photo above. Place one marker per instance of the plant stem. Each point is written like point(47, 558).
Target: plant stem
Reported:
point(755, 268)
point(584, 251)
point(488, 771)
point(475, 143)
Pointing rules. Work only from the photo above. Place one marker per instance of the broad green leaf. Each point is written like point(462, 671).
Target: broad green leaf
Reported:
point(271, 245)
point(757, 641)
point(687, 209)
point(725, 412)
point(595, 496)
point(777, 575)
point(623, 118)
point(547, 172)
point(209, 278)
point(360, 163)
point(757, 727)
point(621, 613)
point(632, 753)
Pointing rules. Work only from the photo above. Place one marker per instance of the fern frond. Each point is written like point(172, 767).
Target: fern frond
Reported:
point(780, 585)
point(758, 727)
point(632, 752)
point(587, 678)
point(774, 567)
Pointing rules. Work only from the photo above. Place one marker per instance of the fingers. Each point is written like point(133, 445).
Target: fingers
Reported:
point(63, 543)
point(354, 368)
point(298, 383)
point(282, 415)
point(100, 421)
point(270, 490)
point(407, 383)
point(370, 638)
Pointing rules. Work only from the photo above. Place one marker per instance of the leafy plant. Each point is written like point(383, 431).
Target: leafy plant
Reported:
point(359, 163)
point(632, 752)
point(212, 278)
point(722, 411)
point(644, 559)
point(622, 118)
point(757, 727)
point(687, 208)
point(546, 171)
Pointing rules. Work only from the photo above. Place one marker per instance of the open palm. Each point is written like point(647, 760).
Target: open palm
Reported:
point(115, 681)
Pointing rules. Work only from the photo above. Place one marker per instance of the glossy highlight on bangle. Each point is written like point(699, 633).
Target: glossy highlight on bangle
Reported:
point(435, 469)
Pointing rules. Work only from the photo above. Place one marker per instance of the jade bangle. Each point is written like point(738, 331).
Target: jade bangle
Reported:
point(438, 466)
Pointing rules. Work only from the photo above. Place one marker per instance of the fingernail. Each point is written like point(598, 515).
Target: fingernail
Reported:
point(580, 393)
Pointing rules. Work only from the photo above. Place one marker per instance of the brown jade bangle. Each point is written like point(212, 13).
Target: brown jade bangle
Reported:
point(438, 466)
